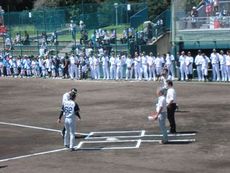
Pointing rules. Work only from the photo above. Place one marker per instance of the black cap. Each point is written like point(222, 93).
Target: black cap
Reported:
point(74, 90)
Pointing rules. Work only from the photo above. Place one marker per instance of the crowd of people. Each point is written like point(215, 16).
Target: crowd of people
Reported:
point(121, 66)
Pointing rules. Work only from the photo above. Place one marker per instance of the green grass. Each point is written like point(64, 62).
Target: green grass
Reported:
point(118, 28)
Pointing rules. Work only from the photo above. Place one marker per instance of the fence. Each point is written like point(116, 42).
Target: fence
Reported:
point(138, 18)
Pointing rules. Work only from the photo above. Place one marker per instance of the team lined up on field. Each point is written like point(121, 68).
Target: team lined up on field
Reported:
point(116, 67)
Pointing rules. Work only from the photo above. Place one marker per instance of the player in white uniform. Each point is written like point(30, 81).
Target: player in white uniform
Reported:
point(129, 67)
point(169, 65)
point(159, 64)
point(105, 66)
point(73, 71)
point(113, 66)
point(137, 67)
point(204, 67)
point(215, 65)
point(144, 64)
point(182, 65)
point(189, 66)
point(222, 59)
point(151, 67)
point(228, 64)
point(198, 62)
point(119, 68)
point(96, 67)
point(91, 66)
point(70, 110)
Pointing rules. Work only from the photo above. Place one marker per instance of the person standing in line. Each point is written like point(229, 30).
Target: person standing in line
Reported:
point(204, 67)
point(169, 66)
point(189, 65)
point(144, 65)
point(70, 110)
point(66, 64)
point(73, 67)
point(113, 66)
point(198, 62)
point(151, 67)
point(228, 64)
point(171, 106)
point(96, 66)
point(105, 66)
point(91, 66)
point(159, 65)
point(119, 68)
point(137, 66)
point(215, 66)
point(161, 114)
point(129, 67)
point(182, 65)
point(222, 59)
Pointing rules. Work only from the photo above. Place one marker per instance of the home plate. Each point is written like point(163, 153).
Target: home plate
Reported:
point(111, 139)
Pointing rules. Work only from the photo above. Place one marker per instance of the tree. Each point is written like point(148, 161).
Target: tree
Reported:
point(156, 7)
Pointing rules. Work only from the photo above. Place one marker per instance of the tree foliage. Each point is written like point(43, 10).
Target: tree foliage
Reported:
point(155, 7)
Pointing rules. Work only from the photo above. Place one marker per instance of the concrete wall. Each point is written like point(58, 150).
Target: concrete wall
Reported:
point(163, 44)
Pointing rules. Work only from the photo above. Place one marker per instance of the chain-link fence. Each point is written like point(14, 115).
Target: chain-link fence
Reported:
point(26, 29)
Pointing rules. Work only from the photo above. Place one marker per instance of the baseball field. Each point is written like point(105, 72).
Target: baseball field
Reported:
point(114, 134)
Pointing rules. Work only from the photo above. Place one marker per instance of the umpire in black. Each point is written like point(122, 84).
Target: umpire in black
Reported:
point(171, 106)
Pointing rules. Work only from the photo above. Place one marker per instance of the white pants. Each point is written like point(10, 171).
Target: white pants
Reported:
point(97, 72)
point(223, 70)
point(73, 71)
point(215, 72)
point(182, 72)
point(92, 73)
point(113, 70)
point(105, 72)
point(70, 126)
point(119, 73)
point(137, 72)
point(171, 71)
point(228, 72)
point(152, 72)
point(145, 71)
point(200, 72)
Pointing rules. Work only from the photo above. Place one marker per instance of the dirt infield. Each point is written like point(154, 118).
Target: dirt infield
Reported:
point(30, 141)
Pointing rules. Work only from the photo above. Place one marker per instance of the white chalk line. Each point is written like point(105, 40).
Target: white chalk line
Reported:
point(38, 128)
point(137, 145)
point(35, 154)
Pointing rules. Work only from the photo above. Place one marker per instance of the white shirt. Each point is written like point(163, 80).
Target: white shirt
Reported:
point(161, 104)
point(227, 60)
point(198, 59)
point(188, 60)
point(222, 59)
point(72, 60)
point(158, 62)
point(151, 60)
point(105, 60)
point(68, 109)
point(214, 58)
point(129, 62)
point(171, 95)
point(112, 61)
point(182, 60)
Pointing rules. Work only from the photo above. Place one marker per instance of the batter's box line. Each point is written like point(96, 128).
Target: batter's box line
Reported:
point(142, 134)
point(138, 143)
point(90, 136)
